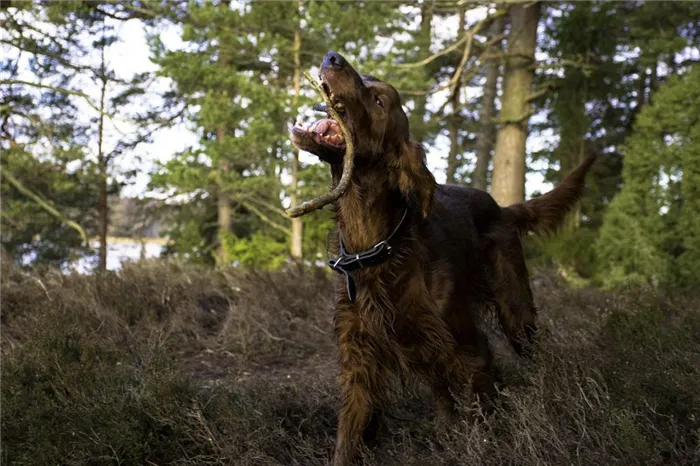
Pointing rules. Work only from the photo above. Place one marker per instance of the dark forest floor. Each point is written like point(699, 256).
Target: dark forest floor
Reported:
point(165, 364)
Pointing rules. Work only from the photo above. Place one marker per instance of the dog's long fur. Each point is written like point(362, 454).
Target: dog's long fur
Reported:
point(416, 315)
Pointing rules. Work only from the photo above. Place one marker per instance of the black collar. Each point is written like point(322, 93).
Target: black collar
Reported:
point(376, 255)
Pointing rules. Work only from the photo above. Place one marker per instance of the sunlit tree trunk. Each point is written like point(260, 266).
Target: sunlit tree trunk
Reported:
point(297, 238)
point(487, 131)
point(102, 167)
point(453, 122)
point(224, 211)
point(508, 180)
point(423, 42)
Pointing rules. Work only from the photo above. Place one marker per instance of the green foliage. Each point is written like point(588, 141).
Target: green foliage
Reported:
point(314, 181)
point(240, 88)
point(569, 251)
point(28, 231)
point(257, 251)
point(651, 229)
point(51, 50)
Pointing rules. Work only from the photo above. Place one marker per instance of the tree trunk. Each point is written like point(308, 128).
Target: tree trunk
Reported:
point(224, 212)
point(641, 88)
point(418, 129)
point(508, 180)
point(453, 121)
point(297, 238)
point(224, 203)
point(102, 167)
point(487, 131)
point(453, 156)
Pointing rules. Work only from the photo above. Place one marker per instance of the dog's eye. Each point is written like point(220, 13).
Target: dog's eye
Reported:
point(379, 101)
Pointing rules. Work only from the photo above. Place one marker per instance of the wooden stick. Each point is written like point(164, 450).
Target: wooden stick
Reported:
point(348, 162)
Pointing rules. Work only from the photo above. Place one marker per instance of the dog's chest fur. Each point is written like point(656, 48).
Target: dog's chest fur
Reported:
point(395, 310)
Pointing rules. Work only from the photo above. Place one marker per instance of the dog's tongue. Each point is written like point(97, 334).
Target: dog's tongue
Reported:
point(327, 131)
point(325, 127)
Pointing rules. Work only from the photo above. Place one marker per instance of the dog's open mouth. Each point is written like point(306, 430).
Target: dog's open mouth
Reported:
point(325, 131)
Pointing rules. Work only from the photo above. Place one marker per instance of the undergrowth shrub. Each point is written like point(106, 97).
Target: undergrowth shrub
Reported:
point(165, 364)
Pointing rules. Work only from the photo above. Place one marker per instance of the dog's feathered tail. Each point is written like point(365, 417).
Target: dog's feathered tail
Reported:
point(545, 214)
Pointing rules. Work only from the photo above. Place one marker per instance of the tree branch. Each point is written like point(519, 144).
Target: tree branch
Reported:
point(263, 217)
point(452, 84)
point(267, 205)
point(546, 87)
point(514, 121)
point(55, 89)
point(434, 57)
point(445, 5)
point(37, 51)
point(45, 205)
point(585, 68)
point(348, 162)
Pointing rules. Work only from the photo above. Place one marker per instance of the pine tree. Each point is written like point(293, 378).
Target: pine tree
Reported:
point(245, 106)
point(651, 229)
point(49, 195)
point(486, 136)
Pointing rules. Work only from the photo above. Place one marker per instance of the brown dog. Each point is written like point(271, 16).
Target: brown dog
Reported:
point(419, 260)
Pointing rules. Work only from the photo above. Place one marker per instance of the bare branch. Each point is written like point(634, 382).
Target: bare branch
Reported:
point(261, 215)
point(546, 87)
point(55, 89)
point(36, 51)
point(431, 58)
point(45, 205)
point(585, 68)
point(112, 15)
point(11, 221)
point(514, 121)
point(454, 82)
point(266, 205)
point(474, 3)
point(469, 35)
point(348, 162)
point(468, 38)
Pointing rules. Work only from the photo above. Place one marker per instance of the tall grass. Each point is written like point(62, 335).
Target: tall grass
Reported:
point(165, 364)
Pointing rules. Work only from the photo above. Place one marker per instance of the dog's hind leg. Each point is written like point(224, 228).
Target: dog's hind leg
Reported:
point(512, 294)
point(457, 374)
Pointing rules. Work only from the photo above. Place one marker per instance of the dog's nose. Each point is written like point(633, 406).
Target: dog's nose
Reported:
point(333, 60)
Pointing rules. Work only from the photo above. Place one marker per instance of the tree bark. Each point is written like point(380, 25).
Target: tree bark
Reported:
point(223, 203)
point(297, 237)
point(453, 120)
point(427, 11)
point(102, 167)
point(487, 131)
point(224, 212)
point(508, 180)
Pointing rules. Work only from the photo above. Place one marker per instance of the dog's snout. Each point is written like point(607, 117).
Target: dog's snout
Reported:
point(333, 60)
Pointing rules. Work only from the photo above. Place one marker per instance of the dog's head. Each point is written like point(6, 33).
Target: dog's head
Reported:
point(372, 111)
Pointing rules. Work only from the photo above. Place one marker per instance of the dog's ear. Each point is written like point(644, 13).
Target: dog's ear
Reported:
point(414, 178)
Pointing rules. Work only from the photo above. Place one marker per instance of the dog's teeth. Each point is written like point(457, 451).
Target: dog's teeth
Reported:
point(323, 127)
point(339, 106)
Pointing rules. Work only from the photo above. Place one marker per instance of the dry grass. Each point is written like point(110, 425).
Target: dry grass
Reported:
point(163, 364)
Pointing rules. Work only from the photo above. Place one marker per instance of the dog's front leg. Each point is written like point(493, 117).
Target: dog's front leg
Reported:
point(358, 383)
point(354, 416)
